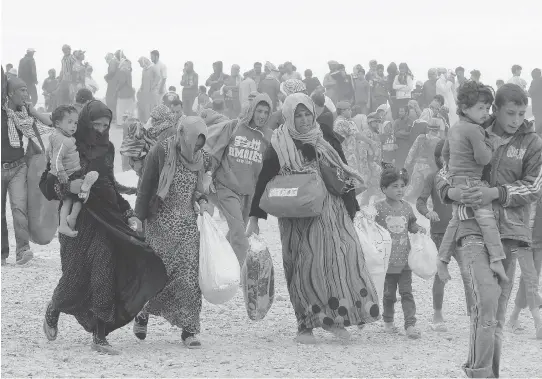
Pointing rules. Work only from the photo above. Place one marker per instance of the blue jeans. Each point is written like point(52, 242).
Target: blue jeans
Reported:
point(14, 182)
point(484, 217)
point(490, 299)
point(404, 282)
point(438, 285)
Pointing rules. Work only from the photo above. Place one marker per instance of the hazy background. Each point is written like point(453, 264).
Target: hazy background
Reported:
point(488, 35)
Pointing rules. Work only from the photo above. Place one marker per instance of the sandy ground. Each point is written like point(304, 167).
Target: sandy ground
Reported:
point(234, 346)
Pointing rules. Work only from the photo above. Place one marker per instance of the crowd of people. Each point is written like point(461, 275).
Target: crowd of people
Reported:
point(377, 141)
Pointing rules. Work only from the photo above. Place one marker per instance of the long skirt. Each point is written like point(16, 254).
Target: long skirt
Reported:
point(325, 269)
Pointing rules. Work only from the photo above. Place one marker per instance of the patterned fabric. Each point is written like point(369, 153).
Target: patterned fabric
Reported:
point(174, 236)
point(348, 130)
point(292, 86)
point(370, 158)
point(161, 119)
point(325, 270)
point(22, 121)
point(67, 68)
point(398, 222)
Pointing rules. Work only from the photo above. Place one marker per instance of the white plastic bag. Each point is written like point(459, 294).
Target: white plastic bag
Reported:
point(376, 245)
point(258, 279)
point(219, 271)
point(422, 259)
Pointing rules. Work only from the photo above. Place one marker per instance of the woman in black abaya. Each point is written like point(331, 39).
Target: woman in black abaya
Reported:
point(108, 271)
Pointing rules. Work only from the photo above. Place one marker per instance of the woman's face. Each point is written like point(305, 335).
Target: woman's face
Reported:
point(199, 143)
point(101, 124)
point(402, 69)
point(303, 119)
point(511, 116)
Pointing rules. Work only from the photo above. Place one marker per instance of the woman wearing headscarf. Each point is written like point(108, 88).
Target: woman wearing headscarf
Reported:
point(330, 83)
point(125, 91)
point(445, 88)
point(324, 265)
point(170, 186)
point(420, 162)
point(189, 82)
point(348, 130)
point(108, 271)
point(110, 78)
point(287, 88)
point(147, 96)
point(403, 84)
point(237, 148)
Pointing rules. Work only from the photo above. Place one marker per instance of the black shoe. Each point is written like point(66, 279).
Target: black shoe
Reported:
point(140, 325)
point(50, 323)
point(102, 346)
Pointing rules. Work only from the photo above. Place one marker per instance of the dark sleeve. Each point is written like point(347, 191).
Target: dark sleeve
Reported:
point(51, 188)
point(421, 203)
point(270, 169)
point(149, 182)
point(124, 205)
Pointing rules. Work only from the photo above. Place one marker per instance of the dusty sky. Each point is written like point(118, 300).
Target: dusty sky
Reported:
point(489, 35)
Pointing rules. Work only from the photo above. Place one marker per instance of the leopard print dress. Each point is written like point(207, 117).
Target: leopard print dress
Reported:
point(174, 236)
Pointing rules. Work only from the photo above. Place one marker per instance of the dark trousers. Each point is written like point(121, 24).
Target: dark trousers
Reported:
point(403, 281)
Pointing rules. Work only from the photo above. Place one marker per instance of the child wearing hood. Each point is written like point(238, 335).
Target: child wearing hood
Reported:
point(237, 151)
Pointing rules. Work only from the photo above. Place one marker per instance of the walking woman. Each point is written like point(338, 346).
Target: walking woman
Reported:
point(171, 184)
point(108, 271)
point(147, 96)
point(324, 265)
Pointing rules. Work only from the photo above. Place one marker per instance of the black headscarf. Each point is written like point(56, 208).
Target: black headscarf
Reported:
point(90, 143)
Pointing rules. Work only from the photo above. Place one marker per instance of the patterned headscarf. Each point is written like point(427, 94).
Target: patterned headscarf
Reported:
point(162, 118)
point(145, 62)
point(283, 139)
point(292, 86)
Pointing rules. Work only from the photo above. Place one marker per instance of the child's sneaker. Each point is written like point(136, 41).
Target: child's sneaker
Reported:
point(413, 333)
point(498, 268)
point(389, 327)
point(88, 182)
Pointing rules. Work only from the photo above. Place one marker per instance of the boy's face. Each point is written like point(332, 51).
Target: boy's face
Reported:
point(402, 112)
point(261, 114)
point(395, 191)
point(511, 116)
point(479, 113)
point(177, 110)
point(68, 124)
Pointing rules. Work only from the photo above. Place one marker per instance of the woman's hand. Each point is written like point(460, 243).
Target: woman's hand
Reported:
point(252, 227)
point(433, 216)
point(135, 224)
point(479, 196)
point(204, 206)
point(75, 186)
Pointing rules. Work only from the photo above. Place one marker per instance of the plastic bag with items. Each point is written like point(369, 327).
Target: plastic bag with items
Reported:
point(219, 271)
point(422, 259)
point(376, 245)
point(258, 279)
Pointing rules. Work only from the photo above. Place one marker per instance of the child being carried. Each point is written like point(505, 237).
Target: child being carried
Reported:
point(65, 166)
point(466, 152)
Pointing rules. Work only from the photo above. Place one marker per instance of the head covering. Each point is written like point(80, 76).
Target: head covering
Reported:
point(283, 139)
point(145, 62)
point(13, 71)
point(246, 118)
point(162, 118)
point(332, 63)
point(188, 131)
point(343, 105)
point(66, 47)
point(419, 83)
point(383, 107)
point(15, 83)
point(373, 117)
point(270, 66)
point(30, 50)
point(109, 57)
point(90, 143)
point(292, 86)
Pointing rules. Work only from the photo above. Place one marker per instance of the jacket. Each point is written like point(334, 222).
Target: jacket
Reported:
point(27, 71)
point(516, 170)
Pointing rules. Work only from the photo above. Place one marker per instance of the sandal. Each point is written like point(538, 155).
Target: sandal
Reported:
point(88, 182)
point(50, 322)
point(192, 342)
point(305, 337)
point(338, 331)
